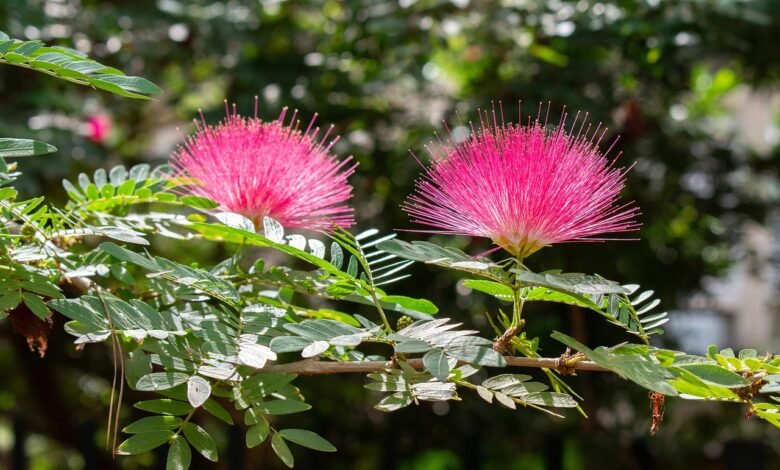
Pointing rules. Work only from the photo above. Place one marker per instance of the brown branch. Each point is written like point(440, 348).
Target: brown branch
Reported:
point(316, 367)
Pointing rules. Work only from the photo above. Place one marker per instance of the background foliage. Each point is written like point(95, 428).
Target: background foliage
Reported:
point(387, 74)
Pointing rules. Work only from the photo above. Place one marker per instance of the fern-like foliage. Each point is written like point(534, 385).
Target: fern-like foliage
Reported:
point(600, 295)
point(73, 66)
point(355, 283)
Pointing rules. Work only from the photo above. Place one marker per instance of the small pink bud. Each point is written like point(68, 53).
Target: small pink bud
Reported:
point(98, 127)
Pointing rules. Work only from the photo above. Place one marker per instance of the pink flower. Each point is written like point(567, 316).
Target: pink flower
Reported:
point(98, 127)
point(260, 169)
point(524, 187)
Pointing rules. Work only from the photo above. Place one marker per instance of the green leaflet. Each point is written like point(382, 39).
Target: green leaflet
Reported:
point(446, 257)
point(309, 439)
point(15, 148)
point(201, 441)
point(144, 442)
point(179, 455)
point(377, 266)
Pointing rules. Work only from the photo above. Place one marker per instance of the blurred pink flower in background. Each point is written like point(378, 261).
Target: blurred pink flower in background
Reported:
point(98, 127)
point(523, 186)
point(273, 169)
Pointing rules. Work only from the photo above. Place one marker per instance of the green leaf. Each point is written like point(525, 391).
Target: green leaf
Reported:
point(10, 301)
point(153, 423)
point(553, 399)
point(137, 365)
point(217, 410)
point(253, 354)
point(545, 294)
point(315, 349)
point(485, 394)
point(571, 282)
point(129, 84)
point(748, 354)
point(412, 346)
point(281, 450)
point(179, 455)
point(187, 276)
point(409, 303)
point(230, 234)
point(716, 375)
point(164, 406)
point(459, 345)
point(7, 193)
point(267, 383)
point(15, 148)
point(446, 257)
point(236, 221)
point(394, 402)
point(144, 442)
point(160, 381)
point(321, 330)
point(199, 202)
point(504, 400)
point(82, 310)
point(308, 439)
point(283, 344)
point(435, 362)
point(496, 289)
point(36, 305)
point(502, 381)
point(283, 407)
point(44, 289)
point(257, 434)
point(198, 390)
point(687, 383)
point(387, 383)
point(201, 441)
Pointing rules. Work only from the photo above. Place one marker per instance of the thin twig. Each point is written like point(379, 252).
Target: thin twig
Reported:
point(116, 351)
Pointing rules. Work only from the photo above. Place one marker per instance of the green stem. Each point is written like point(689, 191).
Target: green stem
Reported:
point(372, 290)
point(518, 300)
point(379, 309)
point(186, 420)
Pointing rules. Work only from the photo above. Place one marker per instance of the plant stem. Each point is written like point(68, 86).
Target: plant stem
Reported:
point(317, 367)
point(518, 300)
point(381, 311)
point(185, 421)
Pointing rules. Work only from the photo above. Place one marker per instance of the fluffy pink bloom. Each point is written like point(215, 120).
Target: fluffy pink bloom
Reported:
point(98, 127)
point(524, 187)
point(260, 169)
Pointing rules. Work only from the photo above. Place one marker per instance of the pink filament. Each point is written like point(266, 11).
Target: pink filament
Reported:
point(261, 169)
point(524, 187)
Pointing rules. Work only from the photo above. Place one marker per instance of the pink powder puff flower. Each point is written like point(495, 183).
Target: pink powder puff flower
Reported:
point(523, 186)
point(98, 127)
point(260, 169)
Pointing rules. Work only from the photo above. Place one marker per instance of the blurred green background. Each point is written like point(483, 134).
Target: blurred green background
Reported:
point(691, 87)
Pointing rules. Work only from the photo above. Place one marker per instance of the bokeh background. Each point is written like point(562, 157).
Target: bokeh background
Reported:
point(691, 87)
